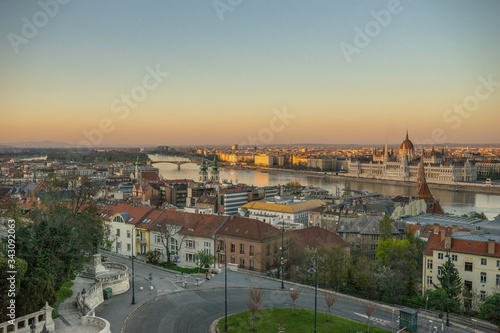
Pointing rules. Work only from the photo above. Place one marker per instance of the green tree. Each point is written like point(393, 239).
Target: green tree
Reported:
point(455, 281)
point(385, 229)
point(335, 264)
point(490, 309)
point(5, 288)
point(206, 259)
point(34, 293)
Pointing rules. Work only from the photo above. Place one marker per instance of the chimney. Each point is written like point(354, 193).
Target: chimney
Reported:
point(454, 228)
point(442, 233)
point(447, 241)
point(491, 246)
point(436, 228)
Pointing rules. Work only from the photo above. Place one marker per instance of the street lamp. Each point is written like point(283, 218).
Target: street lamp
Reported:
point(32, 327)
point(44, 329)
point(150, 283)
point(448, 299)
point(83, 304)
point(133, 272)
point(225, 284)
point(315, 271)
point(282, 256)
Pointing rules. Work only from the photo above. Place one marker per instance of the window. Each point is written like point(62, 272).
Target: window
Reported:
point(222, 245)
point(251, 264)
point(440, 271)
point(174, 245)
point(233, 260)
point(242, 262)
point(429, 280)
point(482, 294)
point(440, 255)
point(252, 251)
point(117, 232)
point(129, 233)
point(242, 248)
point(189, 244)
point(498, 280)
point(454, 257)
point(129, 247)
point(483, 261)
point(233, 247)
point(157, 238)
point(207, 247)
point(189, 257)
point(268, 249)
point(498, 263)
point(429, 264)
point(483, 277)
point(468, 267)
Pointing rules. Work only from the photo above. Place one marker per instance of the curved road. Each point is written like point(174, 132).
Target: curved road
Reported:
point(194, 311)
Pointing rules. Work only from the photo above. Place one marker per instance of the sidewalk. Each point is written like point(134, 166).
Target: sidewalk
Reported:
point(69, 314)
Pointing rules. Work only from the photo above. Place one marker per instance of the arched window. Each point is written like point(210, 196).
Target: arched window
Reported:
point(118, 218)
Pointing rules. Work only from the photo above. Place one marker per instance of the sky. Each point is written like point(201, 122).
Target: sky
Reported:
point(170, 72)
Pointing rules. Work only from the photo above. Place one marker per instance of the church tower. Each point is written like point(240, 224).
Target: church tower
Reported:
point(203, 175)
point(423, 191)
point(215, 171)
point(137, 169)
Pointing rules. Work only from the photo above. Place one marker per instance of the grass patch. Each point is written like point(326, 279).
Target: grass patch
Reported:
point(182, 269)
point(63, 293)
point(302, 321)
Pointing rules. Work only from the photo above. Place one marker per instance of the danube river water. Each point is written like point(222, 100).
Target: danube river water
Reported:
point(452, 202)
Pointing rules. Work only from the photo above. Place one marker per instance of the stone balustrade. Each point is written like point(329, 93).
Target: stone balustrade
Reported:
point(22, 324)
point(103, 324)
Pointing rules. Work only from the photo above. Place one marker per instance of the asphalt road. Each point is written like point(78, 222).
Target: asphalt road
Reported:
point(194, 311)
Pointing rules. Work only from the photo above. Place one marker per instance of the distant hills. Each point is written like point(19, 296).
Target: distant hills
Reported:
point(36, 144)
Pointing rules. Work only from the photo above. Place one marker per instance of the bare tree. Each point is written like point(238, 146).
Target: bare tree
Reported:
point(369, 309)
point(330, 299)
point(281, 320)
point(254, 302)
point(167, 233)
point(294, 294)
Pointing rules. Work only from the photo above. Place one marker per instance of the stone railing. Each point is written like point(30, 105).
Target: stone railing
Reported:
point(93, 298)
point(22, 324)
point(103, 324)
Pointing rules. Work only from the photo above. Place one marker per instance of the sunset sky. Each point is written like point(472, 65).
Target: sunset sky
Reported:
point(230, 63)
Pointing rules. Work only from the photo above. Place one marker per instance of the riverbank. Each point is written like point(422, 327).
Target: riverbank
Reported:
point(458, 187)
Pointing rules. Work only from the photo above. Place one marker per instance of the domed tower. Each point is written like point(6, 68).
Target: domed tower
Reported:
point(137, 169)
point(203, 175)
point(406, 149)
point(214, 177)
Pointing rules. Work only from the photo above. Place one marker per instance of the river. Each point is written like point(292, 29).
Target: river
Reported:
point(452, 202)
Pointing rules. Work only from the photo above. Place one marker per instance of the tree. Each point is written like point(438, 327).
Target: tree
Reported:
point(35, 292)
point(369, 309)
point(385, 229)
point(206, 259)
point(167, 233)
point(254, 302)
point(335, 263)
point(330, 299)
point(489, 310)
point(153, 257)
point(455, 281)
point(294, 294)
point(5, 287)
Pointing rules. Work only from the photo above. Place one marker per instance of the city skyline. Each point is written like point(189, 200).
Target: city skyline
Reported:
point(355, 72)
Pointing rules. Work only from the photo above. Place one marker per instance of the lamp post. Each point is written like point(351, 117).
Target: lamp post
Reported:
point(150, 283)
point(315, 271)
point(282, 256)
point(225, 284)
point(44, 329)
point(133, 271)
point(83, 304)
point(448, 299)
point(32, 327)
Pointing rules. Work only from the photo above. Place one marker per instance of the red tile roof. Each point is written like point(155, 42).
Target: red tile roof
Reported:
point(250, 229)
point(317, 237)
point(461, 246)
